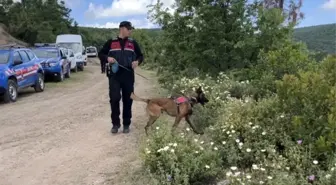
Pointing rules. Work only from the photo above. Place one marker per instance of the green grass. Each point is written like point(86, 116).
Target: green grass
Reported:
point(74, 79)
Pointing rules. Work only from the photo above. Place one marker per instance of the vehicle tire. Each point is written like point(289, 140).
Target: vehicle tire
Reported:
point(76, 69)
point(39, 84)
point(60, 76)
point(11, 93)
point(67, 75)
point(81, 68)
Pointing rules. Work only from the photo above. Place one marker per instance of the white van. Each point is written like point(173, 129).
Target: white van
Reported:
point(74, 42)
point(91, 51)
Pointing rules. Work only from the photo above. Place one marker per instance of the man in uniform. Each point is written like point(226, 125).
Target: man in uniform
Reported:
point(126, 52)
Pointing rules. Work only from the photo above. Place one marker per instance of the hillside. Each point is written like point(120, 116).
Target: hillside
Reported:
point(318, 38)
point(6, 38)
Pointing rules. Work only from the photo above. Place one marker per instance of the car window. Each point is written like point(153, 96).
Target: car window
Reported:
point(17, 56)
point(31, 55)
point(24, 56)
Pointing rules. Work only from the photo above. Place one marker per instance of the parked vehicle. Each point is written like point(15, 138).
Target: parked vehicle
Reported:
point(19, 69)
point(71, 57)
point(91, 51)
point(54, 61)
point(74, 42)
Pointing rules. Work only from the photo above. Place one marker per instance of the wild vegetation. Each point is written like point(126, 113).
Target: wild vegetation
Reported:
point(271, 116)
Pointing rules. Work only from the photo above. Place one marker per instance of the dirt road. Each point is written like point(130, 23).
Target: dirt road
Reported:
point(62, 135)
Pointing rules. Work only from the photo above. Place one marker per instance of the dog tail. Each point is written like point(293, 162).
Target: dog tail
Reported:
point(136, 98)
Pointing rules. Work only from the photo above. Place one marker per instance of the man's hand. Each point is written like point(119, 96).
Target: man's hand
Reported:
point(111, 60)
point(135, 64)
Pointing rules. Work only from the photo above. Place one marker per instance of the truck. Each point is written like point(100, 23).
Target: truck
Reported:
point(74, 42)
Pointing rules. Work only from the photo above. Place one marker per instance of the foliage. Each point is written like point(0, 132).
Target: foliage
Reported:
point(180, 159)
point(271, 113)
point(36, 20)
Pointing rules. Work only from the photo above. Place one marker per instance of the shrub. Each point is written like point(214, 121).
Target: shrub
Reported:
point(257, 148)
point(274, 64)
point(310, 101)
point(180, 159)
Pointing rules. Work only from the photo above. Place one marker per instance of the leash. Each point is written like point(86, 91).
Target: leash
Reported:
point(111, 66)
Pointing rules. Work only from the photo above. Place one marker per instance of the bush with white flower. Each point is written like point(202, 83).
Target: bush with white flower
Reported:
point(182, 158)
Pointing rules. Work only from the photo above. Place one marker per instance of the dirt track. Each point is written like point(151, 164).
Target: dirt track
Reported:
point(62, 135)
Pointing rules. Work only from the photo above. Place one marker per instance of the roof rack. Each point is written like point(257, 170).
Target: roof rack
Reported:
point(12, 45)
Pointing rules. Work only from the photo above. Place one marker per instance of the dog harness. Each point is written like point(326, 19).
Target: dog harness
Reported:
point(180, 100)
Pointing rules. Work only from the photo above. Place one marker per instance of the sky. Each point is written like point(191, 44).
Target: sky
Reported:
point(108, 13)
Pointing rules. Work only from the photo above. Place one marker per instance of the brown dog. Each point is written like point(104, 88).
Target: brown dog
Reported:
point(178, 107)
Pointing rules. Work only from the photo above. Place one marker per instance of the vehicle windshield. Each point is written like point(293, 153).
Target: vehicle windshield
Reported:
point(4, 57)
point(91, 50)
point(46, 53)
point(76, 47)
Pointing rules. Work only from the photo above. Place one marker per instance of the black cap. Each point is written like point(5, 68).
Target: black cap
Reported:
point(126, 24)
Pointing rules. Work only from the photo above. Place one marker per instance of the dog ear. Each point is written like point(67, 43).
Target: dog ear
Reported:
point(199, 90)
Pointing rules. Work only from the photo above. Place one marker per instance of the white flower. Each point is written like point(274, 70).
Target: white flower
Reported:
point(188, 129)
point(332, 169)
point(263, 150)
point(262, 169)
point(157, 128)
point(233, 131)
point(215, 148)
point(228, 132)
point(202, 142)
point(315, 162)
point(231, 126)
point(223, 142)
point(172, 150)
point(241, 144)
point(159, 150)
point(261, 182)
point(175, 144)
point(228, 174)
point(207, 166)
point(170, 144)
point(248, 150)
point(282, 116)
point(233, 168)
point(148, 152)
point(263, 133)
point(269, 177)
point(237, 140)
point(328, 176)
point(230, 135)
point(195, 140)
point(201, 148)
point(254, 166)
point(248, 176)
point(211, 143)
point(250, 123)
point(237, 174)
point(287, 168)
point(196, 152)
point(166, 148)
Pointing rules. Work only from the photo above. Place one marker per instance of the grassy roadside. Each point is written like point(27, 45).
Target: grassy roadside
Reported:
point(75, 78)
